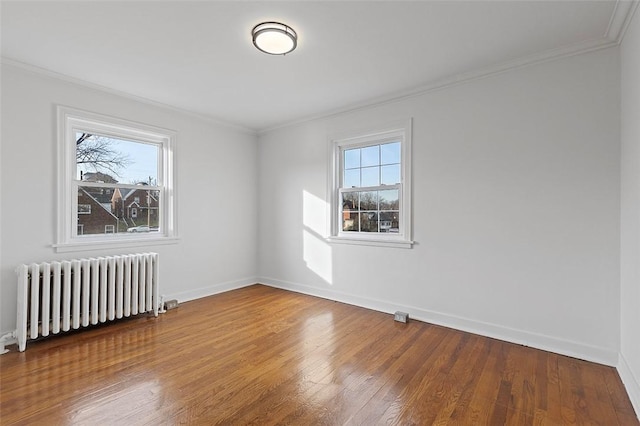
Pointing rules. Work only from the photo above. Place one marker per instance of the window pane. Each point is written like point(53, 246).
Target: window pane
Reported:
point(371, 156)
point(352, 158)
point(368, 222)
point(350, 221)
point(94, 211)
point(390, 153)
point(369, 200)
point(350, 201)
point(351, 178)
point(390, 174)
point(390, 222)
point(389, 200)
point(371, 176)
point(110, 160)
point(115, 210)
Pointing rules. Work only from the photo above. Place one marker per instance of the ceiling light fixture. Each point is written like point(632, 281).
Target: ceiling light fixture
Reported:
point(274, 38)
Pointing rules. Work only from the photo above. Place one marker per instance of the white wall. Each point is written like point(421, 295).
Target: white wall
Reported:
point(216, 189)
point(629, 366)
point(516, 209)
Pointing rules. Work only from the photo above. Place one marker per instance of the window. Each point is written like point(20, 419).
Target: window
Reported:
point(111, 163)
point(371, 188)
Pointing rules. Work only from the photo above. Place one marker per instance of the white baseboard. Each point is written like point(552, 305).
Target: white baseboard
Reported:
point(521, 337)
point(631, 383)
point(185, 296)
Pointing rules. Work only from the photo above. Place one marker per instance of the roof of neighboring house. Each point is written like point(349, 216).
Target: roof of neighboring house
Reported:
point(98, 177)
point(126, 193)
point(102, 198)
point(98, 203)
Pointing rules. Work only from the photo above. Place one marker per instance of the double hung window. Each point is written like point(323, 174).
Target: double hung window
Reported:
point(116, 182)
point(371, 188)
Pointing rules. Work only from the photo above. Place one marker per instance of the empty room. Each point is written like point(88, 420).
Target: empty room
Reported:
point(320, 212)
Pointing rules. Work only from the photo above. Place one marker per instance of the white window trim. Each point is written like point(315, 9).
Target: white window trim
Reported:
point(70, 119)
point(396, 130)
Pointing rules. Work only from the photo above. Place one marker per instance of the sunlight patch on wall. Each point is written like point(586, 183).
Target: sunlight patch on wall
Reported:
point(316, 251)
point(314, 213)
point(317, 255)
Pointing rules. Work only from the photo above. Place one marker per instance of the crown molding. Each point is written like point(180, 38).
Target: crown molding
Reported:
point(622, 15)
point(74, 80)
point(463, 78)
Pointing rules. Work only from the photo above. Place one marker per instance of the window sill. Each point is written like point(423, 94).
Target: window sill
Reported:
point(372, 242)
point(113, 244)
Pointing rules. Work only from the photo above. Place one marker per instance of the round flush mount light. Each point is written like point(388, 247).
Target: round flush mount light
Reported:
point(274, 38)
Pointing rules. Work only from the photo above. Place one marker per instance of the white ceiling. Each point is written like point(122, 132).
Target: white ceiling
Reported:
point(198, 56)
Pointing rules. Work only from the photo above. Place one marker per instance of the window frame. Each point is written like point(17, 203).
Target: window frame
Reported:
point(399, 131)
point(71, 120)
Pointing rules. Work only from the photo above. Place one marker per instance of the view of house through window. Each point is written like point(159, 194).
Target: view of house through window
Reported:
point(370, 179)
point(370, 188)
point(117, 185)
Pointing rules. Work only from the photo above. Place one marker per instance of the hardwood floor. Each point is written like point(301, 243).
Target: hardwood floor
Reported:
point(260, 355)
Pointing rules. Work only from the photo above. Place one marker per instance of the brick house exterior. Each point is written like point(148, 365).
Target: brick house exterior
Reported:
point(135, 206)
point(94, 217)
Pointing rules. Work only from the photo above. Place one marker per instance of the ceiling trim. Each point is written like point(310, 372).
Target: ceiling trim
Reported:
point(622, 15)
point(455, 80)
point(74, 80)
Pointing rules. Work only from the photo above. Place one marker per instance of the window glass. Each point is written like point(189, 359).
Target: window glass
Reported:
point(390, 153)
point(389, 199)
point(369, 200)
point(390, 175)
point(370, 156)
point(350, 222)
point(111, 160)
point(370, 176)
point(352, 159)
point(371, 211)
point(352, 178)
point(371, 196)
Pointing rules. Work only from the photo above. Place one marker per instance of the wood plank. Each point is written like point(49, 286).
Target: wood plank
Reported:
point(260, 355)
